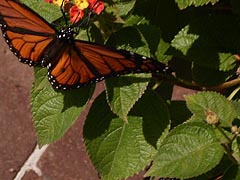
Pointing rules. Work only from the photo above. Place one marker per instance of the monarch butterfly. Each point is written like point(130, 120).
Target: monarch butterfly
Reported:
point(71, 63)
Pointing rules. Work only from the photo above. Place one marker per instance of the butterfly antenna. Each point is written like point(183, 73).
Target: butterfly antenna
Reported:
point(89, 17)
point(90, 14)
point(63, 12)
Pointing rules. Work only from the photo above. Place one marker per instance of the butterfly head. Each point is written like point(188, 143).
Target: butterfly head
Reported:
point(66, 33)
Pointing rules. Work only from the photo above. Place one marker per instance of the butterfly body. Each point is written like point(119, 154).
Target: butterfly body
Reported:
point(71, 63)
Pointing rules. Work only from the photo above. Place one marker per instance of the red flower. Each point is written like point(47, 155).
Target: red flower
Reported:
point(76, 11)
point(96, 6)
point(76, 14)
point(49, 1)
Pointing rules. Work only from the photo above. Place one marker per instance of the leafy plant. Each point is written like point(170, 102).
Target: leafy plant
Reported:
point(134, 124)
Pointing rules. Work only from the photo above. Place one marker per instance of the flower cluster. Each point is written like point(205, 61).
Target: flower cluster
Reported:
point(77, 9)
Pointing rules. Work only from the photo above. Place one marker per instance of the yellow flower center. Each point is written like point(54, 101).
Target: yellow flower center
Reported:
point(82, 4)
point(57, 2)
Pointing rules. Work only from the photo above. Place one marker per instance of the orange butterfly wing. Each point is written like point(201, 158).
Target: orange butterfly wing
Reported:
point(26, 33)
point(71, 63)
point(82, 63)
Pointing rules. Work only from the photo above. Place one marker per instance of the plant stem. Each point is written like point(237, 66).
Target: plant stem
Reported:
point(191, 85)
point(233, 93)
point(227, 146)
point(224, 134)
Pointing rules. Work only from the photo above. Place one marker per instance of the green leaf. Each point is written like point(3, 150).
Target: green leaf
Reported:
point(48, 11)
point(156, 117)
point(227, 61)
point(236, 105)
point(235, 148)
point(123, 92)
point(162, 13)
point(153, 38)
point(185, 3)
point(179, 112)
point(40, 78)
point(233, 173)
point(119, 150)
point(147, 39)
point(189, 150)
point(54, 112)
point(202, 103)
point(123, 40)
point(151, 35)
point(183, 41)
point(124, 6)
point(161, 54)
point(217, 171)
point(135, 20)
